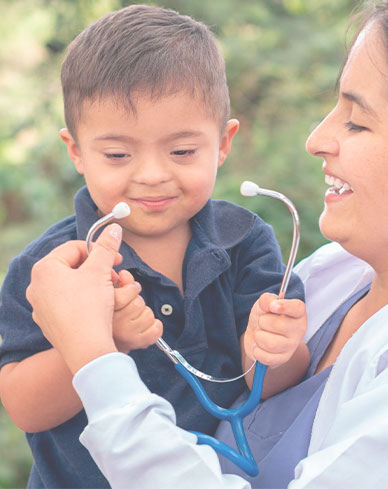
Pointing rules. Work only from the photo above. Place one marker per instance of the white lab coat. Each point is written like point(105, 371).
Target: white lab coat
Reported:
point(349, 439)
point(133, 438)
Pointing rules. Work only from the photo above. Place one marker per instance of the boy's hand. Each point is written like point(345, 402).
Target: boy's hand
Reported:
point(275, 329)
point(134, 323)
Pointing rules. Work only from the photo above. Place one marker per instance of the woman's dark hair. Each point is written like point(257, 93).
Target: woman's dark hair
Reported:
point(368, 13)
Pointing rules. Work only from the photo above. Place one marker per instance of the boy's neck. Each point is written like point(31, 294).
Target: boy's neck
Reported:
point(165, 254)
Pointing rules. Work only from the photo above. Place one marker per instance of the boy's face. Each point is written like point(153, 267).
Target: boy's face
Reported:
point(162, 161)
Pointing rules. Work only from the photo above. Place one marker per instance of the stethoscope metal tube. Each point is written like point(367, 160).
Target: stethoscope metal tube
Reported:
point(119, 211)
point(251, 189)
point(243, 457)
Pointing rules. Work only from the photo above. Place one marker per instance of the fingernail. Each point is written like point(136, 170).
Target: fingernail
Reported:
point(274, 306)
point(116, 231)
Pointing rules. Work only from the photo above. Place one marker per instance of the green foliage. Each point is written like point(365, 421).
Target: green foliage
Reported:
point(15, 459)
point(282, 57)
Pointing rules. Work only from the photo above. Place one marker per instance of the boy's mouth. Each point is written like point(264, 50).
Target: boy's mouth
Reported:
point(154, 202)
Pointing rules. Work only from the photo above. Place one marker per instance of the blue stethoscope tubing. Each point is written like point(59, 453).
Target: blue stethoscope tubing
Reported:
point(243, 458)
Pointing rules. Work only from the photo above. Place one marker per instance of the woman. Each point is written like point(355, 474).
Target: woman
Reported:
point(333, 427)
point(353, 142)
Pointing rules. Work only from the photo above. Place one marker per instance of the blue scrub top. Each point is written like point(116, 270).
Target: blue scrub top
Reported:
point(279, 430)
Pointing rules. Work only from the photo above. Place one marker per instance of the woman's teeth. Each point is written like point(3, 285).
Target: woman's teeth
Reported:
point(339, 185)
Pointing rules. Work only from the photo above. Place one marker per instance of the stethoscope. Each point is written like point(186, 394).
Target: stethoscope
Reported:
point(243, 458)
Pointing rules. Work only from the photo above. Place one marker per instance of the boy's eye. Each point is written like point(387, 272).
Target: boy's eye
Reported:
point(116, 156)
point(183, 152)
point(354, 127)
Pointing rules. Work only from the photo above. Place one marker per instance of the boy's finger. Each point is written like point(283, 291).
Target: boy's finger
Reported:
point(105, 249)
point(152, 333)
point(266, 358)
point(125, 277)
point(125, 295)
point(115, 278)
point(270, 342)
point(293, 308)
point(265, 301)
point(118, 259)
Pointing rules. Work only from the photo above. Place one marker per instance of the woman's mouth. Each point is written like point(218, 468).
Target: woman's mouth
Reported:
point(338, 186)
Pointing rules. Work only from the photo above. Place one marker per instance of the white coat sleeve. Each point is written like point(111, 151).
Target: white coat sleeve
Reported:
point(132, 435)
point(353, 453)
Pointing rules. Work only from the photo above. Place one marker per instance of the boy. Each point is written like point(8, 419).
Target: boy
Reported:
point(146, 108)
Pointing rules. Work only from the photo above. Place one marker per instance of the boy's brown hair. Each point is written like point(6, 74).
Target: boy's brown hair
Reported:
point(144, 49)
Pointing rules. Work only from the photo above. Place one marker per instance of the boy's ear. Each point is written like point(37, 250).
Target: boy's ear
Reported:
point(72, 149)
point(226, 142)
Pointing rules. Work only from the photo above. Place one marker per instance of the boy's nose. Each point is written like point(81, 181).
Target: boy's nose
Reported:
point(151, 171)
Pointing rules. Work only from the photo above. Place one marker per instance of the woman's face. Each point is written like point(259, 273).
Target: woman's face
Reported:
point(353, 142)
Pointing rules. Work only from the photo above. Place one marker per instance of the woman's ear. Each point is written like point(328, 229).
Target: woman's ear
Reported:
point(226, 142)
point(72, 149)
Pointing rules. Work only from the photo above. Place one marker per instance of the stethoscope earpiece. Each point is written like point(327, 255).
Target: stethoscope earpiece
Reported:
point(121, 210)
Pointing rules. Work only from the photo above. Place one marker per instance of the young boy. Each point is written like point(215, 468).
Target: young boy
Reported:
point(147, 114)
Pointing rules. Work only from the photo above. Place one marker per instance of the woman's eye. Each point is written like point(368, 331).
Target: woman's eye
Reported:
point(183, 152)
point(354, 127)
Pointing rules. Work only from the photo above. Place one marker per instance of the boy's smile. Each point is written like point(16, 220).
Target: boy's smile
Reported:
point(154, 203)
point(162, 160)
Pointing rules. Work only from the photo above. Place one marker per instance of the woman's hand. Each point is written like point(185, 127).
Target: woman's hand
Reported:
point(72, 297)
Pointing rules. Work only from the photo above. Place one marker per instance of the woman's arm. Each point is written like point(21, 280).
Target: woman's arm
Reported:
point(132, 435)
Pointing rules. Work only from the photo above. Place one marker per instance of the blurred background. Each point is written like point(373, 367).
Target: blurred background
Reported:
point(283, 58)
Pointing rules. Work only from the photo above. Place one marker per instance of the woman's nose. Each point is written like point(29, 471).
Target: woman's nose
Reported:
point(323, 140)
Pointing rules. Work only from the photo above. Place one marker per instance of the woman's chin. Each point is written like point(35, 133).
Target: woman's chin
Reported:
point(331, 228)
point(342, 234)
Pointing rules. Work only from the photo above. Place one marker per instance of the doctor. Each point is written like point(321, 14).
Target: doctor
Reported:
point(344, 424)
